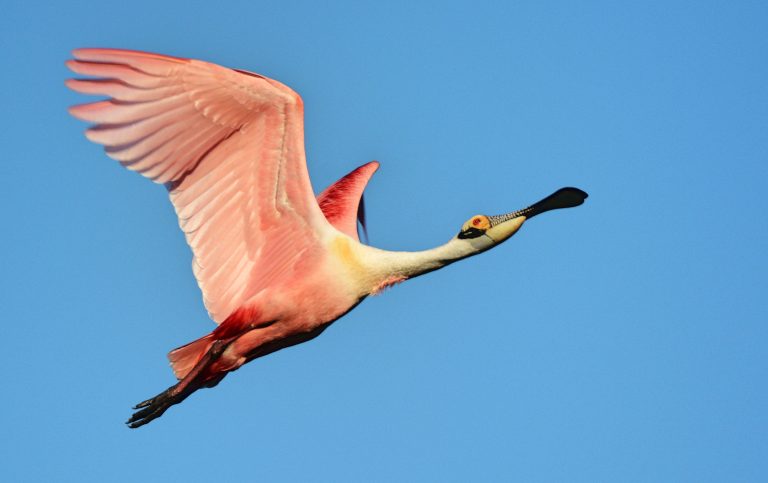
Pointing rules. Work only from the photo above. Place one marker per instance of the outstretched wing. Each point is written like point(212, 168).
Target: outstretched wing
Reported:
point(343, 204)
point(229, 145)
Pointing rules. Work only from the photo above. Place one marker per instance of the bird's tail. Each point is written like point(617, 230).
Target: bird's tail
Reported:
point(184, 358)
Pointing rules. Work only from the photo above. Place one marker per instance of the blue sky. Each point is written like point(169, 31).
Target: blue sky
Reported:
point(621, 341)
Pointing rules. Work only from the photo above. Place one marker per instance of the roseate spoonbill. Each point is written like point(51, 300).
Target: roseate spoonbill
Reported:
point(275, 265)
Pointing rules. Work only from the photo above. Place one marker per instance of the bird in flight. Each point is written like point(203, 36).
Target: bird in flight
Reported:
point(276, 264)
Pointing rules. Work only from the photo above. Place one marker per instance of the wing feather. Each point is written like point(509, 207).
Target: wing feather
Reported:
point(230, 147)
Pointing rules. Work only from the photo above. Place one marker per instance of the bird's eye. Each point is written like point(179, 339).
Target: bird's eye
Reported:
point(475, 226)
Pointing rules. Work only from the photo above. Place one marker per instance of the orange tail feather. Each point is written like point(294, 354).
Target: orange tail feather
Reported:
point(184, 358)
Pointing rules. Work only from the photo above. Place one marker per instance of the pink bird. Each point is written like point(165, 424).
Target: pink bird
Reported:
point(275, 265)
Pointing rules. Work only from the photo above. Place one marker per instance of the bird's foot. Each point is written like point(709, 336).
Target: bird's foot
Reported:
point(199, 376)
point(153, 408)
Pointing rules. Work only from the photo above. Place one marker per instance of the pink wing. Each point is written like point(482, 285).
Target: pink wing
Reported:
point(342, 202)
point(230, 147)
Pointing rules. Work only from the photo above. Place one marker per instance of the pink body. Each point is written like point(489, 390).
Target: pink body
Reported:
point(229, 146)
point(299, 303)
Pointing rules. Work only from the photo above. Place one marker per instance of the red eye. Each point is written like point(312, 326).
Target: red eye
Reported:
point(476, 221)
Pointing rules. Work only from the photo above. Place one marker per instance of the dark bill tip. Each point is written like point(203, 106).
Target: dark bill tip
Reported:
point(569, 197)
point(562, 198)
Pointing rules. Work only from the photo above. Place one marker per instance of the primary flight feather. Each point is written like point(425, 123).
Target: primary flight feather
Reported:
point(276, 265)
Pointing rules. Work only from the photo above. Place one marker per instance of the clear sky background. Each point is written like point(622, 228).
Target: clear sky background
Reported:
point(621, 341)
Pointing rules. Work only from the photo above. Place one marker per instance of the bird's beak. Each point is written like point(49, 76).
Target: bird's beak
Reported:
point(504, 226)
point(501, 231)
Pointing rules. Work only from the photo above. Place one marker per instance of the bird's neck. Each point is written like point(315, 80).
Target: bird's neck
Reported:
point(386, 267)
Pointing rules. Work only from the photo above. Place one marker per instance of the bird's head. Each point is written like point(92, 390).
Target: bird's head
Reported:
point(478, 234)
point(482, 232)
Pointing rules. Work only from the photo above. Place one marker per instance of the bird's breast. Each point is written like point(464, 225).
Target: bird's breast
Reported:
point(349, 260)
point(343, 250)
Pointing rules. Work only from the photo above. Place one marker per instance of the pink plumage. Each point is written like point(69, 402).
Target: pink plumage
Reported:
point(275, 264)
point(341, 202)
point(230, 146)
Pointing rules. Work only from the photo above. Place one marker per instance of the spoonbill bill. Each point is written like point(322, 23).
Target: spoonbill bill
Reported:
point(275, 264)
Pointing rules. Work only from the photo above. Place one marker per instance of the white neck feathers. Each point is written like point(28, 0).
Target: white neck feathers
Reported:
point(384, 268)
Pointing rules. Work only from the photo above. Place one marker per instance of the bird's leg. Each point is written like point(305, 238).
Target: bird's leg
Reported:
point(198, 377)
